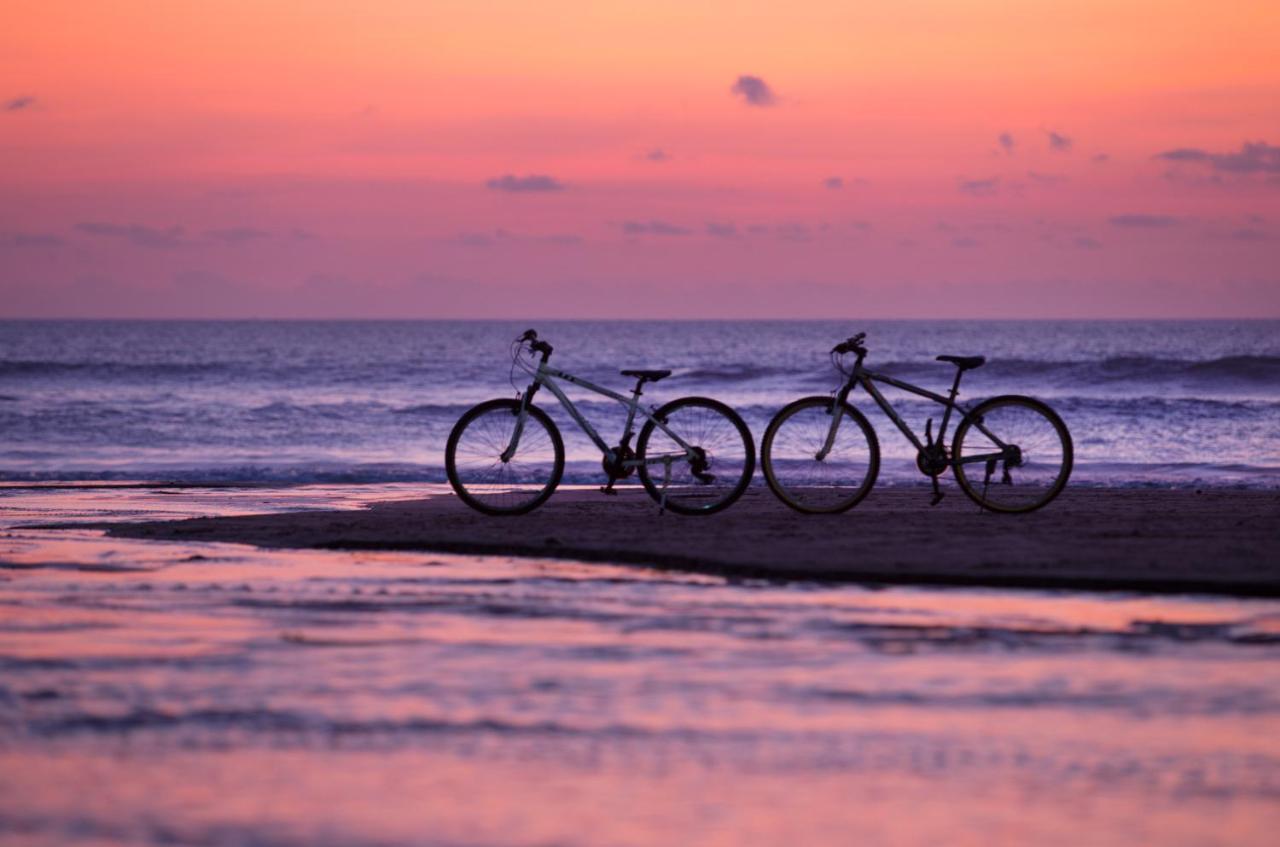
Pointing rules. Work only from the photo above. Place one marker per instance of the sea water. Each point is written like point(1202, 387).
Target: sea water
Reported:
point(1147, 402)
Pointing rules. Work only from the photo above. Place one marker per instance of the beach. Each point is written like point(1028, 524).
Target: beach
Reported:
point(1150, 540)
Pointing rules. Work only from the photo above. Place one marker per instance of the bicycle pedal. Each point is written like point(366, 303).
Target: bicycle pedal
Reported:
point(936, 499)
point(609, 491)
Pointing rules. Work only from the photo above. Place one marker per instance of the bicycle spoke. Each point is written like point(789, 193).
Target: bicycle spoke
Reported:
point(833, 482)
point(504, 486)
point(1017, 482)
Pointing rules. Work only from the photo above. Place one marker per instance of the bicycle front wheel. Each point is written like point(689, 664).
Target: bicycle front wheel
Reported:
point(804, 477)
point(1012, 454)
point(724, 456)
point(473, 458)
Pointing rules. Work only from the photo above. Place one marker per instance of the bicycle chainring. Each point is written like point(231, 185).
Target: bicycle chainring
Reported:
point(932, 460)
point(615, 469)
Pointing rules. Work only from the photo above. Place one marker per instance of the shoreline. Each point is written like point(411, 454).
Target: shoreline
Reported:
point(1210, 541)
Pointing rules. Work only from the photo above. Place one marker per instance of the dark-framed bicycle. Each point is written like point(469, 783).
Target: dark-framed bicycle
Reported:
point(1009, 454)
point(694, 456)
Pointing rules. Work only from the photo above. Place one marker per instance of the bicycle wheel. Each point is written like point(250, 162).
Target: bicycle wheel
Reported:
point(836, 482)
point(726, 456)
point(473, 458)
point(1041, 463)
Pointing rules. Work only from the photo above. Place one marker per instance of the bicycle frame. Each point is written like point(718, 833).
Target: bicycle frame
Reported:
point(867, 379)
point(547, 375)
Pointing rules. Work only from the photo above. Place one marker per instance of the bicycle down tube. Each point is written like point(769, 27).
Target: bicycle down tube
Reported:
point(867, 380)
point(546, 376)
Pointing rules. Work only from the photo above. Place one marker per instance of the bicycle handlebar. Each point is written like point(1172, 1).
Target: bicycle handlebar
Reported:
point(531, 336)
point(852, 344)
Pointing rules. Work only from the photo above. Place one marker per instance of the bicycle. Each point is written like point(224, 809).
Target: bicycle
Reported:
point(506, 456)
point(815, 462)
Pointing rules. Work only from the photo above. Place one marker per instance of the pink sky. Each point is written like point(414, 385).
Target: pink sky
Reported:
point(926, 158)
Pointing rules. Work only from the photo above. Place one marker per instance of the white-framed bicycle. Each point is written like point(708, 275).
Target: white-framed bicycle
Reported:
point(694, 455)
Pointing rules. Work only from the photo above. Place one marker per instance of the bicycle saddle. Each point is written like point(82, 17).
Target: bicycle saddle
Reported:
point(651, 376)
point(964, 363)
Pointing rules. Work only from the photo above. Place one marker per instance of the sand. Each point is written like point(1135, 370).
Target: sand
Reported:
point(1168, 541)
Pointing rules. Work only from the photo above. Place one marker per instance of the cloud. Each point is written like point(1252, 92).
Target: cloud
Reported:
point(654, 228)
point(1252, 158)
point(561, 238)
point(1006, 141)
point(31, 239)
point(980, 187)
point(1139, 221)
point(17, 104)
point(1045, 179)
point(480, 239)
point(136, 234)
point(521, 184)
point(794, 232)
point(236, 234)
point(1101, 158)
point(1059, 142)
point(966, 241)
point(657, 154)
point(718, 230)
point(754, 91)
point(1250, 234)
point(1084, 242)
point(835, 183)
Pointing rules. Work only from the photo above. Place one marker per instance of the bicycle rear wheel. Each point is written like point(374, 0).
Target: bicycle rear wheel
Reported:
point(836, 482)
point(722, 468)
point(1016, 481)
point(477, 472)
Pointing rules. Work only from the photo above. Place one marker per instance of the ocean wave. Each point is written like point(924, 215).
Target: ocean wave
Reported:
point(1257, 370)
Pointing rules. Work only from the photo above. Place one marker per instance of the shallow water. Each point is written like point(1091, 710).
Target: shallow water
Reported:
point(153, 693)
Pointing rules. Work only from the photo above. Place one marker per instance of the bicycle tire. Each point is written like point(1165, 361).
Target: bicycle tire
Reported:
point(810, 499)
point(469, 484)
point(1047, 491)
point(693, 496)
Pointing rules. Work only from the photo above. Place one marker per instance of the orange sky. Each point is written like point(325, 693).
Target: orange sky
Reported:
point(332, 158)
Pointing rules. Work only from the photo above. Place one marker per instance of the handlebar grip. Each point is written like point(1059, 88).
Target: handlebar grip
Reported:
point(529, 335)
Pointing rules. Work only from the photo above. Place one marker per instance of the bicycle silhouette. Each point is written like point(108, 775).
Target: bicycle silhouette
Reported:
point(506, 456)
point(820, 454)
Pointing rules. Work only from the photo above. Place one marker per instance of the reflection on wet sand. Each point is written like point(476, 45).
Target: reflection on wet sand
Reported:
point(211, 694)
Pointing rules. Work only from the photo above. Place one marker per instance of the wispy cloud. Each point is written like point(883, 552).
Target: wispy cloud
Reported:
point(654, 228)
point(30, 239)
point(980, 187)
point(1142, 221)
point(1252, 158)
point(754, 91)
point(835, 183)
point(719, 230)
point(1006, 141)
point(1059, 142)
point(1085, 242)
point(136, 234)
point(657, 154)
point(523, 184)
point(1045, 179)
point(17, 104)
point(480, 239)
point(236, 234)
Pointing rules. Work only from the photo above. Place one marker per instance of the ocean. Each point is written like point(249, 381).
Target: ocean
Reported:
point(1160, 403)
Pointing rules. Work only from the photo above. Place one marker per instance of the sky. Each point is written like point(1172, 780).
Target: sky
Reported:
point(420, 159)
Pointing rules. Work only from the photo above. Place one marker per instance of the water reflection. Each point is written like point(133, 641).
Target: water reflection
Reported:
point(161, 693)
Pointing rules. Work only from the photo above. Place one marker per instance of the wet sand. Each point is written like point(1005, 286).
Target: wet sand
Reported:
point(1168, 541)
